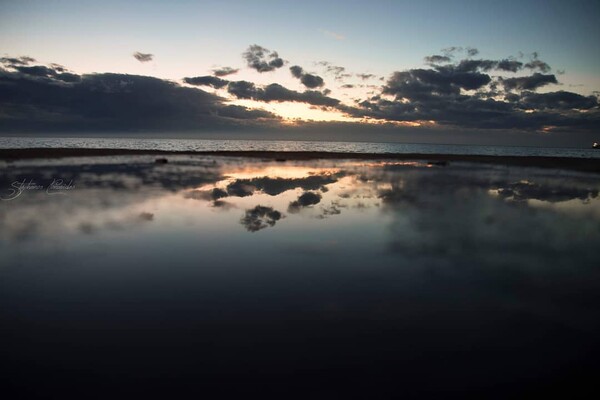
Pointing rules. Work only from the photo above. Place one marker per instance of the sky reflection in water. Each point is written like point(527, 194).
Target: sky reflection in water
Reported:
point(445, 277)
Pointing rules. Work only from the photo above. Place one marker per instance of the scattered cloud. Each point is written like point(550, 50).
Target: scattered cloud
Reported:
point(449, 91)
point(143, 57)
point(471, 51)
point(12, 62)
point(39, 97)
point(207, 80)
point(339, 73)
point(532, 82)
point(537, 64)
point(262, 59)
point(277, 93)
point(437, 59)
point(225, 71)
point(462, 94)
point(365, 77)
point(309, 80)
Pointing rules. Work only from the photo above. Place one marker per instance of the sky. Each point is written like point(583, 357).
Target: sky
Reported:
point(486, 72)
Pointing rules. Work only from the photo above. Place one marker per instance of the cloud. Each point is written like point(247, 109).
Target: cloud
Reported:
point(532, 82)
point(560, 100)
point(339, 73)
point(417, 83)
point(260, 217)
point(52, 72)
point(41, 71)
point(509, 65)
point(451, 51)
point(448, 92)
point(40, 98)
point(262, 59)
point(364, 77)
point(537, 64)
point(308, 80)
point(277, 93)
point(243, 113)
point(472, 51)
point(462, 94)
point(207, 80)
point(225, 71)
point(14, 61)
point(305, 200)
point(143, 57)
point(437, 59)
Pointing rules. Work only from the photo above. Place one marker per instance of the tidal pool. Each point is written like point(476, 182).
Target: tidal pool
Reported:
point(309, 279)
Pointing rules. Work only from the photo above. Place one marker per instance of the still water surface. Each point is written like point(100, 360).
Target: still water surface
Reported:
point(320, 278)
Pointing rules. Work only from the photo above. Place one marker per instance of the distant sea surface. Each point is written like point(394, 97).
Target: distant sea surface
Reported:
point(283, 145)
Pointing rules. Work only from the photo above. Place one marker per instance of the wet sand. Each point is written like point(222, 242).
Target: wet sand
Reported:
point(577, 164)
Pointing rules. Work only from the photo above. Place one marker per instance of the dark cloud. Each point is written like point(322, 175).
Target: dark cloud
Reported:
point(509, 65)
point(277, 93)
point(416, 83)
point(539, 65)
point(441, 94)
point(305, 200)
point(450, 51)
point(36, 98)
point(532, 82)
point(555, 100)
point(260, 217)
point(309, 80)
point(472, 51)
point(347, 86)
point(14, 61)
point(225, 71)
point(364, 77)
point(296, 71)
point(207, 80)
point(143, 57)
point(243, 113)
point(54, 72)
point(437, 59)
point(262, 59)
point(243, 90)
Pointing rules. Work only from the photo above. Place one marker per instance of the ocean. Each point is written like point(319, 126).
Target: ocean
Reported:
point(283, 145)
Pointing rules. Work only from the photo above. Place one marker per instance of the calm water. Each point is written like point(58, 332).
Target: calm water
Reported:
point(282, 145)
point(300, 279)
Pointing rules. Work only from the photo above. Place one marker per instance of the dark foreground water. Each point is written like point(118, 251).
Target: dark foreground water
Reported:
point(227, 278)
